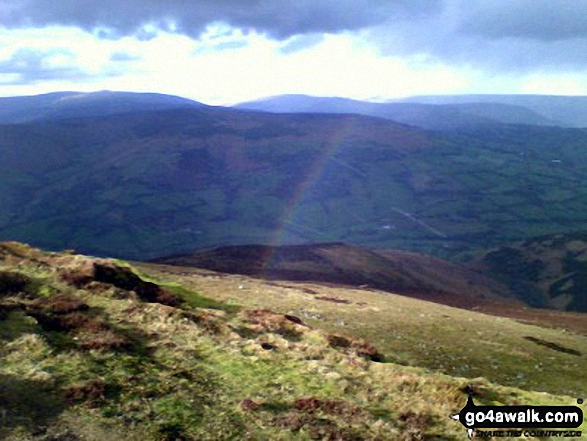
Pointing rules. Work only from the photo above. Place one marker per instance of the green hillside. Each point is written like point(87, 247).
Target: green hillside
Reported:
point(146, 185)
point(92, 351)
point(505, 343)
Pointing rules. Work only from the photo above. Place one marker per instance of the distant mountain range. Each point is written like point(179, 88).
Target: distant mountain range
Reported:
point(145, 176)
point(445, 112)
point(566, 111)
point(442, 112)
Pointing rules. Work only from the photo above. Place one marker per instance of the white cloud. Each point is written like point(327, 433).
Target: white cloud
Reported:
point(340, 65)
point(227, 65)
point(555, 84)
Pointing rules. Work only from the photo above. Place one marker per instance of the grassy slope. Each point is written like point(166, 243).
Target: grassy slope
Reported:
point(418, 333)
point(131, 369)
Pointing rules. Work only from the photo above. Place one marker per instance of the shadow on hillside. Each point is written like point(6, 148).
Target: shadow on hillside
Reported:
point(29, 403)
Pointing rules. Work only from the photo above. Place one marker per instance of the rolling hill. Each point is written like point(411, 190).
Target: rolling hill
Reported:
point(547, 271)
point(63, 105)
point(411, 274)
point(153, 183)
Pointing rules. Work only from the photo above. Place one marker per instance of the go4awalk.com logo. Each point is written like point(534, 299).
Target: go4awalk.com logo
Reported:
point(518, 421)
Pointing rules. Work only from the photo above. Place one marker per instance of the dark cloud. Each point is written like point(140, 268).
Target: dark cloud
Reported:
point(279, 18)
point(516, 36)
point(541, 20)
point(28, 66)
point(512, 35)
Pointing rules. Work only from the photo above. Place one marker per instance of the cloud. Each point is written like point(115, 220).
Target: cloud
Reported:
point(29, 66)
point(123, 56)
point(278, 18)
point(227, 45)
point(301, 42)
point(491, 42)
point(517, 37)
point(541, 20)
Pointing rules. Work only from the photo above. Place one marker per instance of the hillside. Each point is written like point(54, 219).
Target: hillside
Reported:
point(413, 332)
point(149, 184)
point(399, 272)
point(548, 271)
point(434, 116)
point(93, 351)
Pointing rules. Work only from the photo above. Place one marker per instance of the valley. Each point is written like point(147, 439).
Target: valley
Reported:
point(156, 182)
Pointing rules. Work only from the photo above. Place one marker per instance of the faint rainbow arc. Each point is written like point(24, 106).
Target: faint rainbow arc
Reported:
point(314, 174)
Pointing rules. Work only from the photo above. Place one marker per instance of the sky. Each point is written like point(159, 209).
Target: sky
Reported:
point(227, 51)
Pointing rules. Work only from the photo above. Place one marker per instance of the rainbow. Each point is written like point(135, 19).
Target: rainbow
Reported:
point(292, 211)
